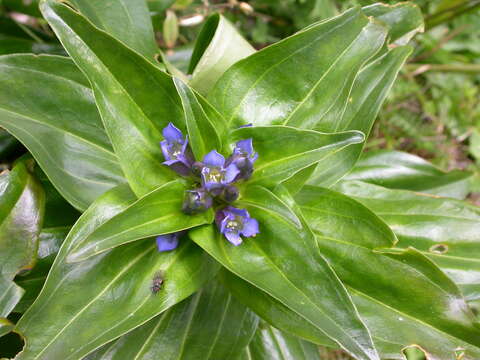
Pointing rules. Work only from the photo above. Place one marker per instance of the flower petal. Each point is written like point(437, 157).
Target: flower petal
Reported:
point(213, 158)
point(167, 242)
point(250, 228)
point(231, 173)
point(172, 134)
point(233, 237)
point(244, 146)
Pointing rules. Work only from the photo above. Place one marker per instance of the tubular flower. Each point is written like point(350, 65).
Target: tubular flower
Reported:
point(233, 222)
point(243, 158)
point(215, 175)
point(175, 150)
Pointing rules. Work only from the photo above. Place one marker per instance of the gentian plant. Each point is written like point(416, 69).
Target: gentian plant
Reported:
point(226, 212)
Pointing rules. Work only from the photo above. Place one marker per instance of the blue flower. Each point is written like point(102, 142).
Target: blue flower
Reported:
point(243, 158)
point(233, 222)
point(196, 201)
point(215, 175)
point(175, 150)
point(168, 242)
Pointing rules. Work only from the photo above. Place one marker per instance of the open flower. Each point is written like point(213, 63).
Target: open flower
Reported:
point(175, 150)
point(243, 158)
point(233, 223)
point(215, 175)
point(168, 242)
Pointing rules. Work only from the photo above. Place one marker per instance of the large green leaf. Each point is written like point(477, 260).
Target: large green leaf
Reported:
point(60, 125)
point(403, 19)
point(210, 324)
point(272, 344)
point(22, 203)
point(368, 93)
point(126, 20)
point(111, 291)
point(136, 100)
point(402, 281)
point(273, 311)
point(21, 215)
point(218, 46)
point(446, 230)
point(399, 170)
point(283, 150)
point(279, 259)
point(258, 90)
point(50, 240)
point(202, 135)
point(159, 212)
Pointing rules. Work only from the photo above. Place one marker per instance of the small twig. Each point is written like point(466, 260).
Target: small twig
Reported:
point(417, 69)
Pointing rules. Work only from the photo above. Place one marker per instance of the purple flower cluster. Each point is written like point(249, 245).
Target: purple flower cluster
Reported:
point(215, 177)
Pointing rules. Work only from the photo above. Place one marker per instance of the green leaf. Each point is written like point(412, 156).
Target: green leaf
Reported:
point(272, 344)
point(257, 90)
point(278, 261)
point(59, 125)
point(402, 281)
point(136, 100)
point(272, 310)
point(445, 230)
point(202, 134)
point(112, 290)
point(368, 93)
point(399, 170)
point(126, 20)
point(210, 324)
point(50, 240)
point(404, 20)
point(218, 46)
point(283, 151)
point(159, 212)
point(21, 217)
point(21, 214)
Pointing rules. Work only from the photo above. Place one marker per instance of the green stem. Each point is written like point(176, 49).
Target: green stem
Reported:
point(464, 68)
point(451, 13)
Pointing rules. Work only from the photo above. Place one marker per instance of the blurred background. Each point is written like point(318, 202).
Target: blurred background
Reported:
point(432, 111)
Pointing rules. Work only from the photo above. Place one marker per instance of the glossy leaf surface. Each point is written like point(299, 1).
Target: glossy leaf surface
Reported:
point(126, 20)
point(256, 90)
point(112, 290)
point(367, 95)
point(283, 151)
point(272, 344)
point(279, 259)
point(159, 212)
point(384, 276)
point(136, 100)
point(21, 217)
point(403, 19)
point(218, 46)
point(446, 230)
point(399, 170)
point(202, 135)
point(59, 125)
point(22, 203)
point(272, 310)
point(210, 324)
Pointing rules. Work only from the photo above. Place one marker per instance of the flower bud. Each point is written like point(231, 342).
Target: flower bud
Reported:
point(196, 201)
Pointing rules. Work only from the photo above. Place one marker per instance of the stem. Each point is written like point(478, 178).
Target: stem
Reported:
point(450, 13)
point(418, 69)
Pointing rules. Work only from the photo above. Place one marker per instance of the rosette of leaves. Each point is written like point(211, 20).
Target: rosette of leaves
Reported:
point(323, 268)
